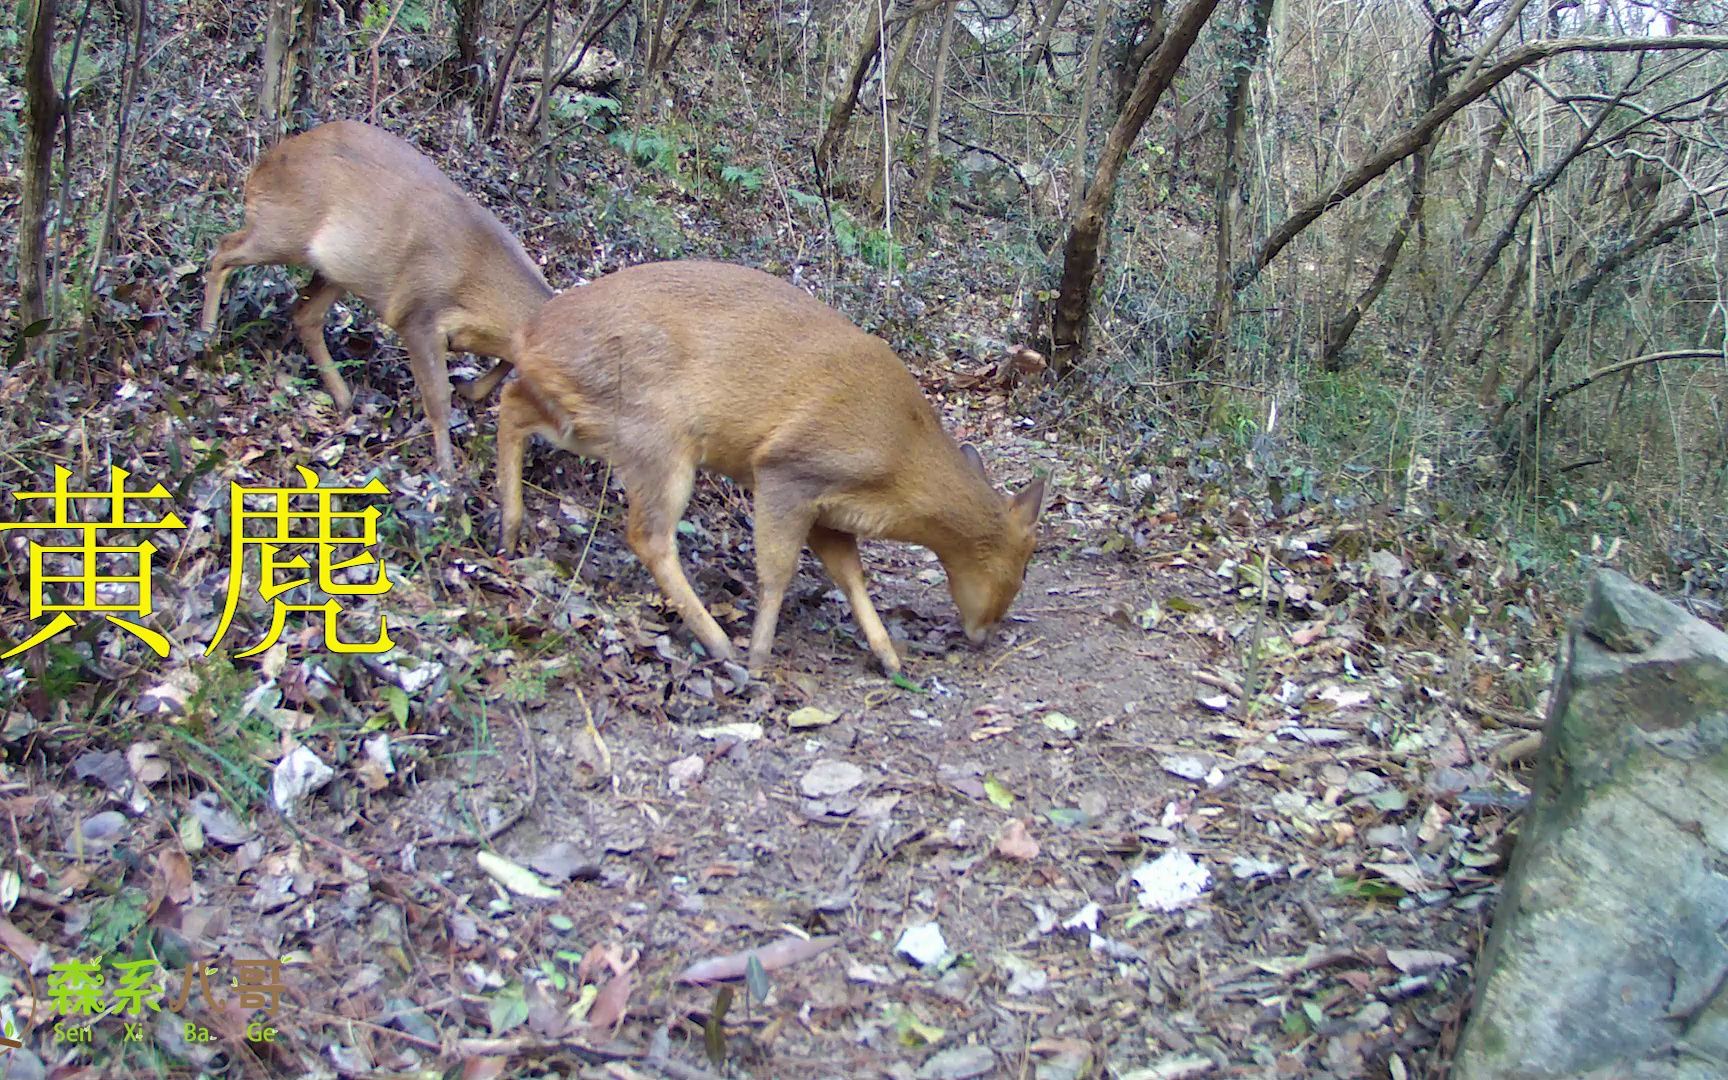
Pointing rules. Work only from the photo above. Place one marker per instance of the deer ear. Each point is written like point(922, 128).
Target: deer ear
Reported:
point(1028, 503)
point(971, 453)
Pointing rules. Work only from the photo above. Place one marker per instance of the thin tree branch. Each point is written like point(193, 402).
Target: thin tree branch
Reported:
point(1553, 398)
point(1417, 134)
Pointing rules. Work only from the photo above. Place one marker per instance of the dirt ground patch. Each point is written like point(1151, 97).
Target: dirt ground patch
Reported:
point(1010, 800)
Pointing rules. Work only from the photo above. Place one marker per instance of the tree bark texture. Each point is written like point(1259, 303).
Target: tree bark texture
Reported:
point(938, 88)
point(1240, 63)
point(290, 35)
point(840, 114)
point(1088, 93)
point(42, 116)
point(1081, 253)
point(469, 24)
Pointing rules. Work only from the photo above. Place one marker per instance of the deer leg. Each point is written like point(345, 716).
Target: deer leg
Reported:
point(480, 389)
point(309, 314)
point(239, 248)
point(519, 417)
point(839, 554)
point(432, 377)
point(782, 521)
point(658, 494)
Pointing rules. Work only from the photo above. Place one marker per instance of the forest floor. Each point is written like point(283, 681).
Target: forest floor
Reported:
point(1227, 794)
point(1174, 820)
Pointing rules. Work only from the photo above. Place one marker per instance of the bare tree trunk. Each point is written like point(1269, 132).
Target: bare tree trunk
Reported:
point(1041, 39)
point(278, 33)
point(1340, 328)
point(470, 21)
point(42, 116)
point(1515, 288)
point(1417, 135)
point(290, 35)
point(306, 53)
point(489, 124)
point(1538, 184)
point(586, 35)
point(656, 27)
point(139, 12)
point(1562, 306)
point(1088, 93)
point(879, 186)
point(1484, 177)
point(668, 44)
point(938, 86)
point(549, 175)
point(840, 115)
point(1148, 24)
point(1239, 63)
point(56, 248)
point(1081, 254)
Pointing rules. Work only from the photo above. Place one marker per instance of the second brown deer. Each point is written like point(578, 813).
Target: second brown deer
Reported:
point(371, 215)
point(665, 368)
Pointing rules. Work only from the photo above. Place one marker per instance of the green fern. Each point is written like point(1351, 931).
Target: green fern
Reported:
point(591, 110)
point(740, 177)
point(415, 16)
point(650, 147)
point(881, 250)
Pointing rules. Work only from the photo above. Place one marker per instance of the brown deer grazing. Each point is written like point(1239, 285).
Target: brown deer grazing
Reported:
point(667, 367)
point(370, 215)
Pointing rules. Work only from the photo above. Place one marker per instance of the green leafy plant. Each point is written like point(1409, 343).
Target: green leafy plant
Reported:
point(593, 111)
point(416, 16)
point(714, 1031)
point(115, 922)
point(508, 1009)
point(650, 146)
point(14, 350)
point(742, 178)
point(881, 250)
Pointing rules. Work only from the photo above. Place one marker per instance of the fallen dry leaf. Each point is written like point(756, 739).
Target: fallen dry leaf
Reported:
point(176, 875)
point(24, 947)
point(612, 1003)
point(778, 954)
point(145, 758)
point(484, 1068)
point(1014, 842)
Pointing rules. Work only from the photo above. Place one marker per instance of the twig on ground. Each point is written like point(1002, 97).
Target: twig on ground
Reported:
point(510, 821)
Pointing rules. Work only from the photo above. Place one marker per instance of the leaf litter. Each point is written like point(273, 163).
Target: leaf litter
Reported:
point(1296, 718)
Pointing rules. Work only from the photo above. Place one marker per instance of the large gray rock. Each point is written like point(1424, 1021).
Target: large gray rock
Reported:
point(1609, 953)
